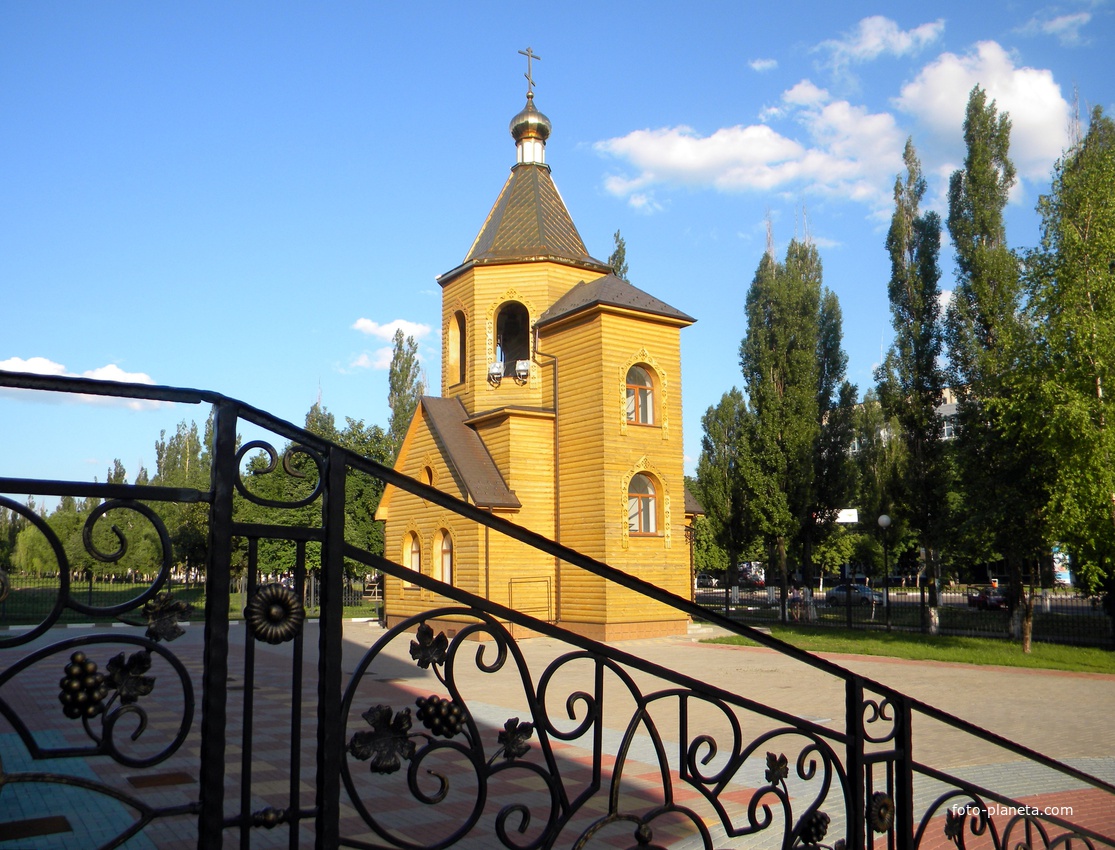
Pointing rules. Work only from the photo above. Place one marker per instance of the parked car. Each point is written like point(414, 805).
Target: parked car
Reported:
point(860, 595)
point(987, 599)
point(705, 580)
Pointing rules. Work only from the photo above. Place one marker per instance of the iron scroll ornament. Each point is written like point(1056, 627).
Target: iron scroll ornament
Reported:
point(67, 598)
point(288, 468)
point(477, 766)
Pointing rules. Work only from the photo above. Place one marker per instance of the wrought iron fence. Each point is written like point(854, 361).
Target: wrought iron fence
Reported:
point(1060, 615)
point(273, 734)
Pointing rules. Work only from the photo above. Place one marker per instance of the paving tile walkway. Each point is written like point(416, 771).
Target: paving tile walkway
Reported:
point(1065, 716)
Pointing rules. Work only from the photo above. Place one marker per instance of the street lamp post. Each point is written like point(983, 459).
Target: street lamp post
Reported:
point(884, 524)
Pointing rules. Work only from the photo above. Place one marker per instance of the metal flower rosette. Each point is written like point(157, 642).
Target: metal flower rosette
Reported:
point(603, 749)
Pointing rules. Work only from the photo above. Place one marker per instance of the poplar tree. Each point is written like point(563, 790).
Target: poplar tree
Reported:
point(911, 380)
point(793, 371)
point(987, 344)
point(1070, 281)
point(618, 258)
point(404, 388)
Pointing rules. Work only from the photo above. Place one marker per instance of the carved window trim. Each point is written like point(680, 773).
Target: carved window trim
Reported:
point(511, 294)
point(643, 465)
point(661, 389)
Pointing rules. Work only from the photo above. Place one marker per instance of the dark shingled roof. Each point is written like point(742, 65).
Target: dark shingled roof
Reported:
point(613, 292)
point(692, 506)
point(528, 222)
point(466, 453)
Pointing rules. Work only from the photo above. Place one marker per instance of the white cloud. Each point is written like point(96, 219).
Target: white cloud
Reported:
point(1039, 114)
point(763, 65)
point(877, 35)
point(1065, 28)
point(380, 359)
point(111, 372)
point(387, 331)
point(849, 153)
point(805, 93)
point(34, 365)
point(43, 366)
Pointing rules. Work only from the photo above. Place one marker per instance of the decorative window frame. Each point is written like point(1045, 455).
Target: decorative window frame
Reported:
point(456, 307)
point(412, 528)
point(444, 531)
point(661, 392)
point(490, 331)
point(645, 466)
point(430, 461)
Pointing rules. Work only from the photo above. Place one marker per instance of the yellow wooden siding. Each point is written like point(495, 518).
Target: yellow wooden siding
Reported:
point(598, 455)
point(597, 449)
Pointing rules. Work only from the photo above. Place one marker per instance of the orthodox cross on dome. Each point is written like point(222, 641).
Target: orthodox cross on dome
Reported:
point(529, 54)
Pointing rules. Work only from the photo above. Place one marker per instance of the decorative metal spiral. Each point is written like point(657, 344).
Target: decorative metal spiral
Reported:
point(288, 468)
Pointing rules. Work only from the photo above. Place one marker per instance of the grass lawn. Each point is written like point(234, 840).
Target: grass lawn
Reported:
point(29, 605)
point(919, 647)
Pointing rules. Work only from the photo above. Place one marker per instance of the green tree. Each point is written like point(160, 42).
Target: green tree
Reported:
point(911, 381)
point(618, 258)
point(836, 401)
point(708, 556)
point(722, 476)
point(987, 341)
point(362, 491)
point(793, 372)
point(116, 473)
point(404, 388)
point(11, 524)
point(183, 460)
point(1070, 282)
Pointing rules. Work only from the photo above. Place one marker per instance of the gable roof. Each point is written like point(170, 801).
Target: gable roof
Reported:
point(528, 223)
point(466, 454)
point(610, 291)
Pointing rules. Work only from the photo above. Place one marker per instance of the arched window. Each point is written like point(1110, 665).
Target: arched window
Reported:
point(512, 336)
point(456, 349)
point(642, 506)
point(412, 555)
point(446, 557)
point(640, 396)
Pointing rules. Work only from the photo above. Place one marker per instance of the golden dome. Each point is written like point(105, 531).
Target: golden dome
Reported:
point(530, 123)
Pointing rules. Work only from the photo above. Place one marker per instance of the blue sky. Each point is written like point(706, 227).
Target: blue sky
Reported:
point(251, 197)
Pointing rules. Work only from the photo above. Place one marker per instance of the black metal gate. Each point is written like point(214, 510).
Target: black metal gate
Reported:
point(162, 726)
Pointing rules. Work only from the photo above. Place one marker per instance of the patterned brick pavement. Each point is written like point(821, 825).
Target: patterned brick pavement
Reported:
point(1063, 715)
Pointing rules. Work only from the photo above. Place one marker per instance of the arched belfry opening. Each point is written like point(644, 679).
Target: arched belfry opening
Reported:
point(512, 335)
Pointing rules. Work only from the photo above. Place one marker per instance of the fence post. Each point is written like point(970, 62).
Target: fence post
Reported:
point(330, 734)
point(904, 774)
point(854, 762)
point(215, 654)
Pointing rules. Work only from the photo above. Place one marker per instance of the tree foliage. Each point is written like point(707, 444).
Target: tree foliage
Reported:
point(793, 371)
point(988, 344)
point(1070, 282)
point(722, 475)
point(404, 388)
point(617, 260)
point(911, 380)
